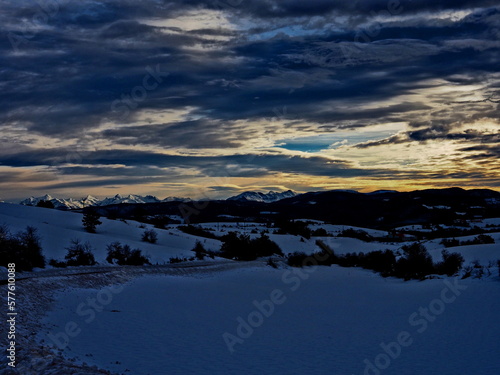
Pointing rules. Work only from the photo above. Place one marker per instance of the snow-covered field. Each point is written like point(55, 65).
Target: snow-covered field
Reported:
point(483, 253)
point(225, 317)
point(322, 321)
point(58, 228)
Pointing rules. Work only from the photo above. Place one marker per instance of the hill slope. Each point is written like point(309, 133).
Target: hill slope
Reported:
point(58, 228)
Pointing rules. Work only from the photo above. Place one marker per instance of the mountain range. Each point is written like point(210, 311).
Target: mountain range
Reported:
point(384, 209)
point(376, 209)
point(89, 201)
point(272, 196)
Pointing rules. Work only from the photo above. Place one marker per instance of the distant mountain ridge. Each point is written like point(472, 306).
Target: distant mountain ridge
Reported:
point(321, 205)
point(89, 201)
point(385, 209)
point(270, 197)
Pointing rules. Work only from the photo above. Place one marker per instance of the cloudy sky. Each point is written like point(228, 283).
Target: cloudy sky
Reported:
point(211, 98)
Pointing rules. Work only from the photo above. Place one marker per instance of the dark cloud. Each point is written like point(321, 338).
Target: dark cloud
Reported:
point(193, 134)
point(68, 66)
point(116, 182)
point(253, 165)
point(482, 152)
point(438, 133)
point(296, 8)
point(70, 79)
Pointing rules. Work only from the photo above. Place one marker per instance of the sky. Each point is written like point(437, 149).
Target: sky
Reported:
point(206, 99)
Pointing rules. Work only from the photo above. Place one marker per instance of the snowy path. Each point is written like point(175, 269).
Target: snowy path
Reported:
point(164, 268)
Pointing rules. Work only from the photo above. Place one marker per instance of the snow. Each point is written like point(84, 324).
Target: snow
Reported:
point(290, 244)
point(58, 228)
point(482, 253)
point(437, 207)
point(311, 221)
point(480, 223)
point(71, 203)
point(330, 320)
point(491, 221)
point(492, 201)
point(485, 253)
point(68, 203)
point(272, 196)
point(173, 320)
point(340, 245)
point(221, 228)
point(336, 229)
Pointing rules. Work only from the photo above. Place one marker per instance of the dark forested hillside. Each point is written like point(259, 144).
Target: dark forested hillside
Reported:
point(376, 210)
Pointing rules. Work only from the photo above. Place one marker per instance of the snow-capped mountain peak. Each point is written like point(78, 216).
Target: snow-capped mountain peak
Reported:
point(90, 200)
point(58, 203)
point(29, 201)
point(271, 196)
point(118, 199)
point(71, 203)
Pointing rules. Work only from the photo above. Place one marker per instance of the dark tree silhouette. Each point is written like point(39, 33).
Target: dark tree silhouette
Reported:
point(24, 249)
point(30, 242)
point(79, 254)
point(241, 247)
point(150, 236)
point(416, 263)
point(123, 255)
point(199, 251)
point(451, 264)
point(91, 221)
